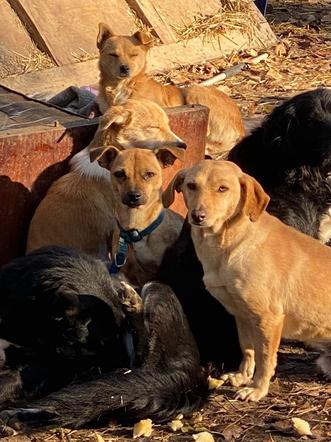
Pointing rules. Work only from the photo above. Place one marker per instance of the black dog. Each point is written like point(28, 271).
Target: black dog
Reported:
point(61, 311)
point(169, 381)
point(290, 155)
point(213, 327)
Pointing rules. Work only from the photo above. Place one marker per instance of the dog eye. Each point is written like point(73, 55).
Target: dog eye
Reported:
point(135, 54)
point(192, 186)
point(223, 189)
point(120, 174)
point(149, 174)
point(113, 55)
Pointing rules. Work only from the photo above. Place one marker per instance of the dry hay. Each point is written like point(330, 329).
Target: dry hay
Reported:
point(233, 15)
point(16, 63)
point(300, 61)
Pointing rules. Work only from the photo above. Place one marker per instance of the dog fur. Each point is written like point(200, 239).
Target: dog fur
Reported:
point(136, 180)
point(168, 382)
point(122, 66)
point(182, 271)
point(61, 316)
point(274, 279)
point(77, 210)
point(290, 155)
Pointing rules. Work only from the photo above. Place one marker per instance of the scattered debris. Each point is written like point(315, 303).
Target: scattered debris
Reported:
point(301, 427)
point(204, 436)
point(143, 428)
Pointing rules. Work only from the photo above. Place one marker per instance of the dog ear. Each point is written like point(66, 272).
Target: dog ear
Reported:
point(168, 195)
point(143, 39)
point(105, 156)
point(115, 115)
point(104, 33)
point(255, 200)
point(168, 155)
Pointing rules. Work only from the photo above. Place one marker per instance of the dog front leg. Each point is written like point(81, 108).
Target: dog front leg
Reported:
point(246, 369)
point(266, 335)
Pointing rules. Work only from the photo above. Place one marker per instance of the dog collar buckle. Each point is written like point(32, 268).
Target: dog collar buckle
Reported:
point(134, 235)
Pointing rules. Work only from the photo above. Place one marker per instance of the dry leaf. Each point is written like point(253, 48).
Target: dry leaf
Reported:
point(214, 383)
point(281, 49)
point(98, 438)
point(301, 427)
point(143, 428)
point(204, 436)
point(176, 425)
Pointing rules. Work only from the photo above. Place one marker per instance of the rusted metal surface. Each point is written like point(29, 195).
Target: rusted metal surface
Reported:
point(32, 158)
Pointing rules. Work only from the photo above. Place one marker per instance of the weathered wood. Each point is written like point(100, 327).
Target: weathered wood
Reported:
point(14, 40)
point(67, 29)
point(32, 158)
point(153, 17)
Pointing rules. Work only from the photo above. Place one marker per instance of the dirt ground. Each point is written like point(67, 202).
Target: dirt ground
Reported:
point(301, 61)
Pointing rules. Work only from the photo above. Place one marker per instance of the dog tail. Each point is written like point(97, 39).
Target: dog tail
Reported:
point(169, 382)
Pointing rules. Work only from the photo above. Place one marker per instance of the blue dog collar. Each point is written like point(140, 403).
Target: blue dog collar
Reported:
point(128, 237)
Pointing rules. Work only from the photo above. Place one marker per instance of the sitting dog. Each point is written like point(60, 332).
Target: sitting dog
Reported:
point(168, 382)
point(290, 155)
point(122, 74)
point(77, 210)
point(275, 280)
point(144, 229)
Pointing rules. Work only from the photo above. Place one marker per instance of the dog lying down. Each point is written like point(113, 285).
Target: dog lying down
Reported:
point(84, 194)
point(275, 280)
point(122, 65)
point(165, 378)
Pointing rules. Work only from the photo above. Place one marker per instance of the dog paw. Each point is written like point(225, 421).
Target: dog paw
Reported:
point(236, 379)
point(130, 300)
point(251, 394)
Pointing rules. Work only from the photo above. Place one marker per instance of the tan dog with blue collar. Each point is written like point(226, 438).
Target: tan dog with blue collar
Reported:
point(145, 229)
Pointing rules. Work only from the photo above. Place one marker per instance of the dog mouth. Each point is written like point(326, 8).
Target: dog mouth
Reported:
point(132, 204)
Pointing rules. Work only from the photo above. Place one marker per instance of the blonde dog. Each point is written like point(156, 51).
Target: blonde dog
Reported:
point(77, 209)
point(122, 66)
point(144, 228)
point(275, 280)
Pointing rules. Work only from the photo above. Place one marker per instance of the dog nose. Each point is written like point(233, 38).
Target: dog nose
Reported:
point(181, 144)
point(198, 216)
point(124, 69)
point(134, 196)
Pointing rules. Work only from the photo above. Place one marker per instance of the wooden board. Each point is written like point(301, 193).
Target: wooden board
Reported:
point(152, 16)
point(67, 29)
point(14, 40)
point(31, 158)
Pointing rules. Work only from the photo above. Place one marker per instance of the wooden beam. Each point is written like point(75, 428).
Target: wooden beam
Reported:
point(152, 17)
point(67, 29)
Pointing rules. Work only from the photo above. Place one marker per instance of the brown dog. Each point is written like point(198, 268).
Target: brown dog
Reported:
point(77, 210)
point(145, 227)
point(275, 280)
point(122, 73)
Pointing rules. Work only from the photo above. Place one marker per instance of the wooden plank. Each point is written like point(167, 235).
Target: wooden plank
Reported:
point(67, 29)
point(32, 158)
point(14, 40)
point(181, 12)
point(154, 18)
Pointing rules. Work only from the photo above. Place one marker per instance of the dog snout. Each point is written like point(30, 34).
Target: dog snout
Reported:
point(133, 198)
point(124, 70)
point(198, 216)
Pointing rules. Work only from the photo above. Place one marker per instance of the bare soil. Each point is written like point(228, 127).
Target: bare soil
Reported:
point(301, 61)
